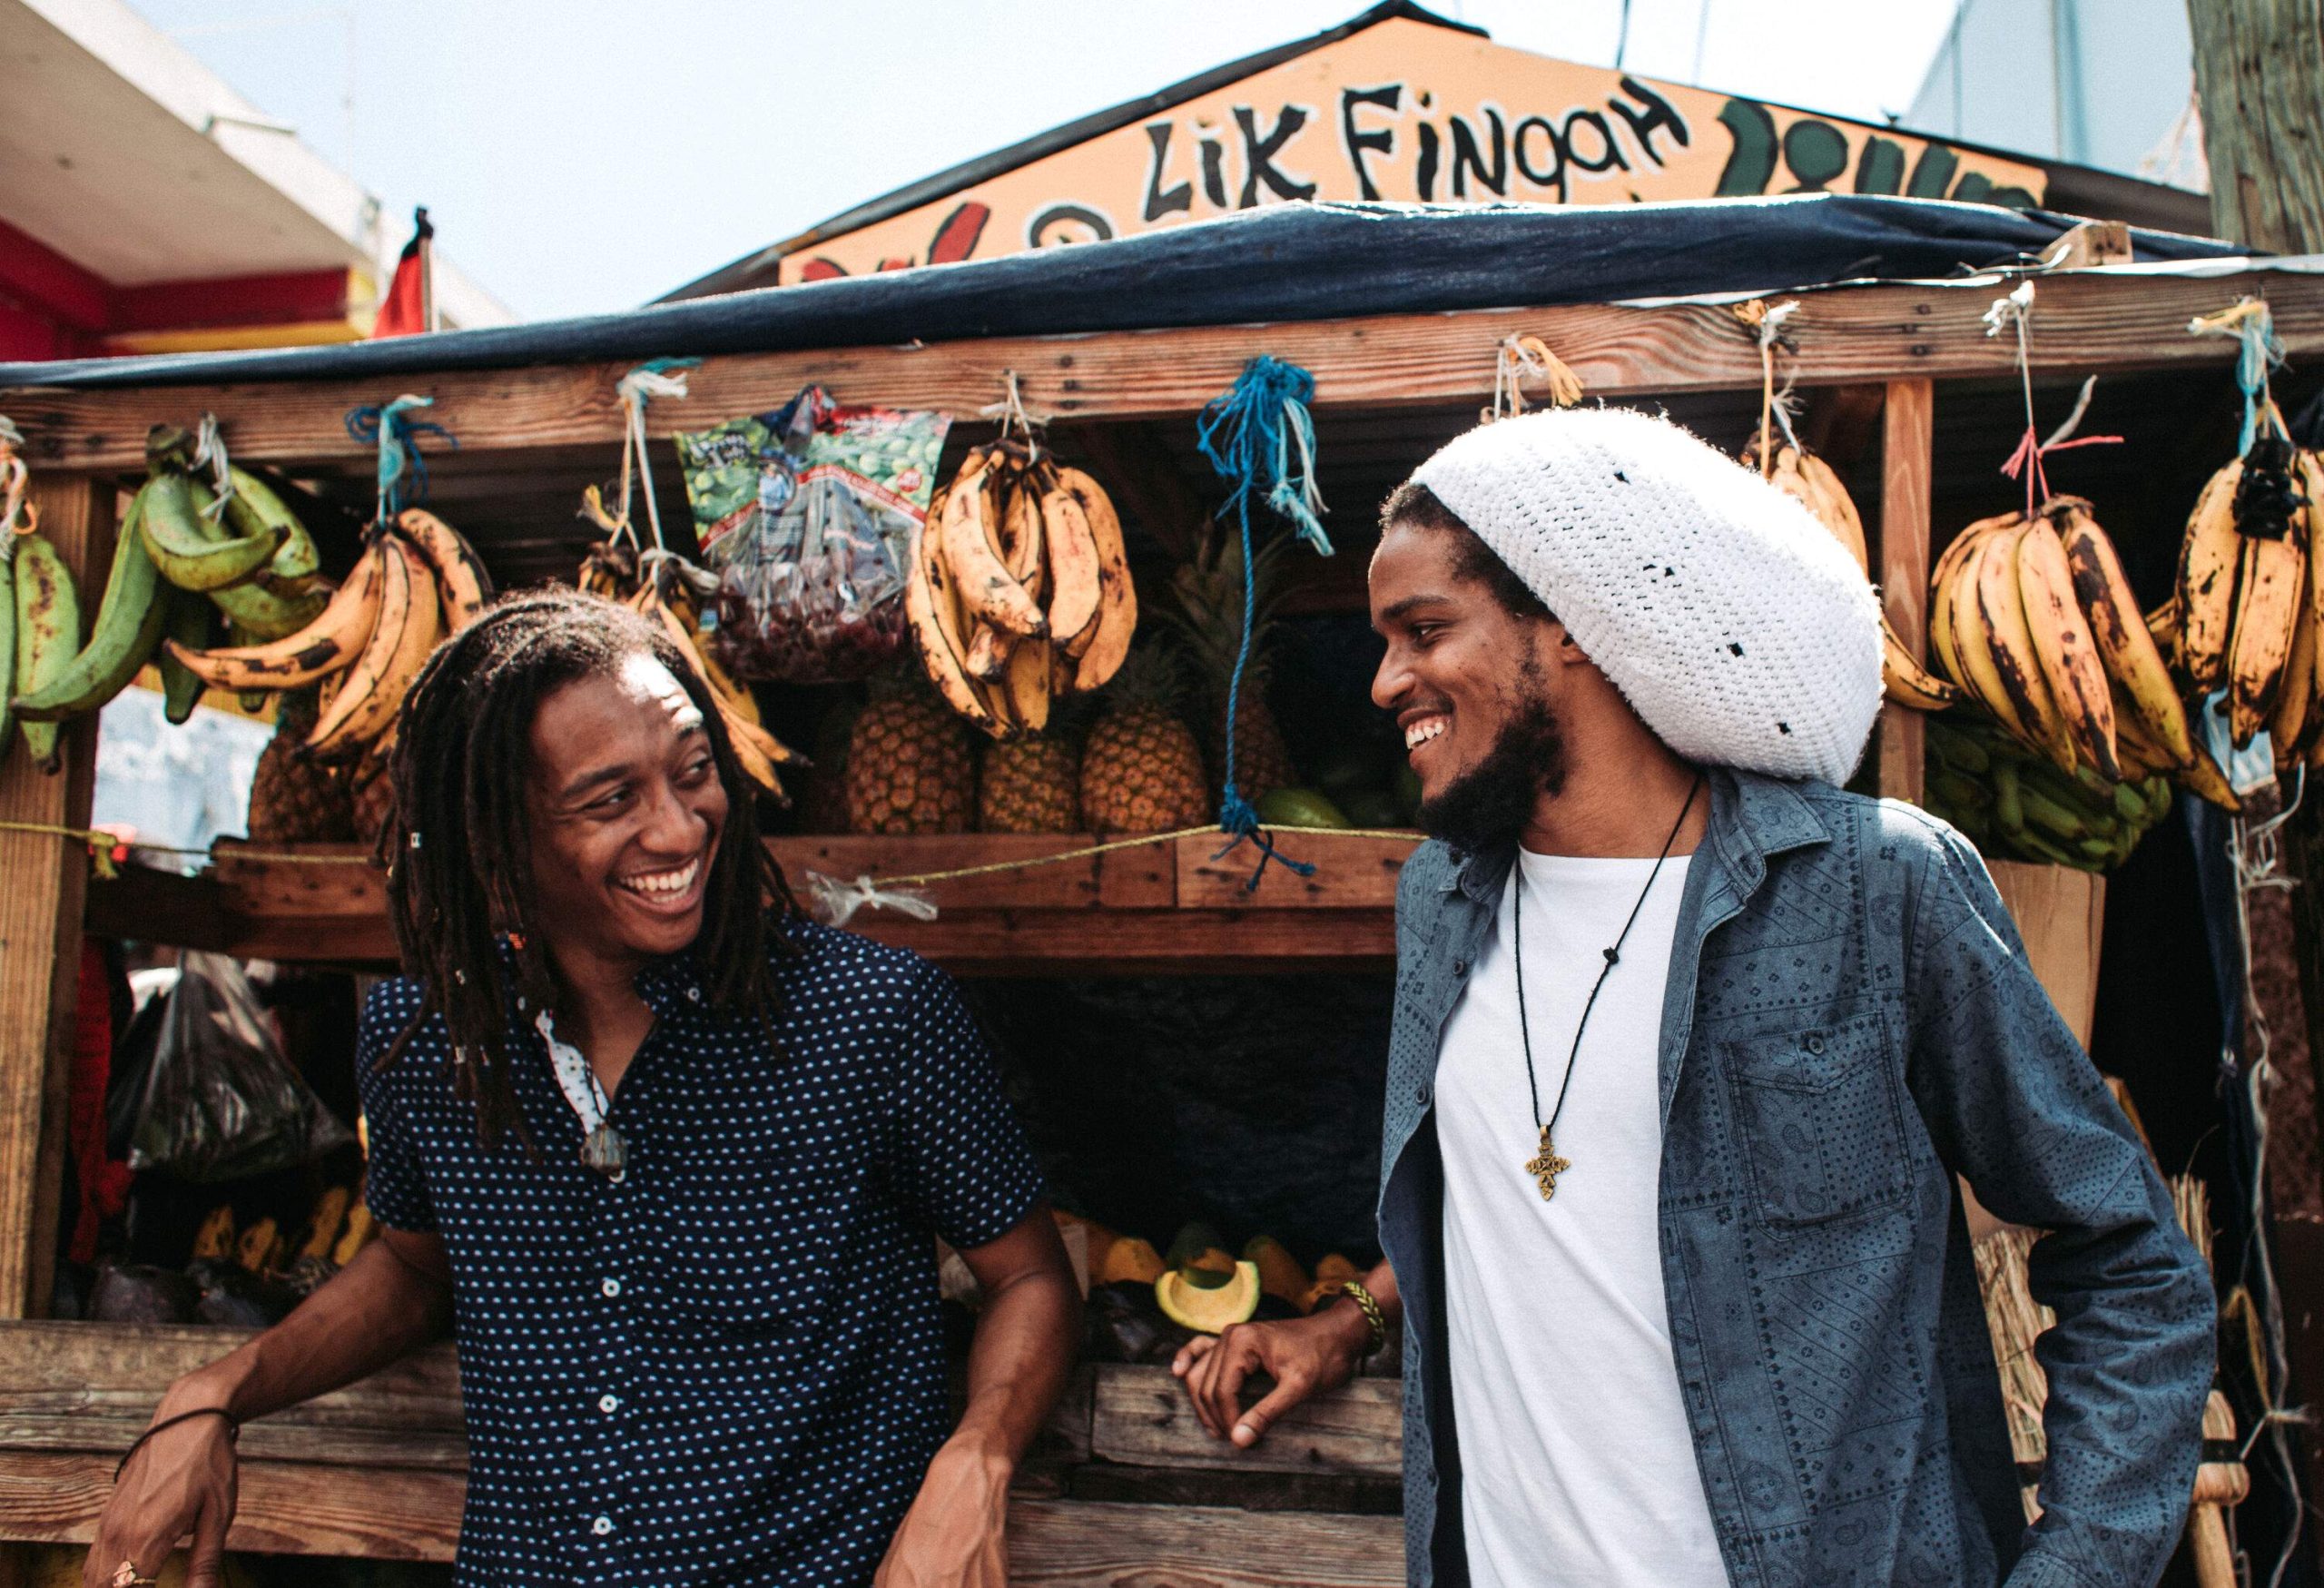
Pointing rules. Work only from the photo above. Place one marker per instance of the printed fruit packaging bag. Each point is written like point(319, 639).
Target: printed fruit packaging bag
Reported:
point(806, 515)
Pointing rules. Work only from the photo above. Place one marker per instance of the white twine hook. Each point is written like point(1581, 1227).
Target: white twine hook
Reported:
point(661, 378)
point(1011, 414)
point(1522, 358)
point(835, 901)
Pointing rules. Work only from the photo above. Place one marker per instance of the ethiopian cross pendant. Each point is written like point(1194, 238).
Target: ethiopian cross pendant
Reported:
point(1546, 1166)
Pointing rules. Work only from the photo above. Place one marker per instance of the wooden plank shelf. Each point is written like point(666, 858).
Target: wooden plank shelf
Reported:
point(379, 1468)
point(1179, 905)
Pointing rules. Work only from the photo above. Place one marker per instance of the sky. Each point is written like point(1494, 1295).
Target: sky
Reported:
point(583, 155)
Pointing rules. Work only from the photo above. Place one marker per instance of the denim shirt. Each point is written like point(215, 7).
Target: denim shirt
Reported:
point(1850, 1022)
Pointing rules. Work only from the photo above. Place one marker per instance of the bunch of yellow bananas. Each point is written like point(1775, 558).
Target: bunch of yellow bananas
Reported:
point(2248, 613)
point(417, 581)
point(185, 560)
point(662, 587)
point(1019, 589)
point(2032, 616)
point(1810, 480)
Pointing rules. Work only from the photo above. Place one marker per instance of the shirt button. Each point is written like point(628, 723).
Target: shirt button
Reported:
point(611, 1287)
point(609, 1404)
point(1815, 1044)
point(693, 994)
point(602, 1527)
point(1459, 967)
point(1419, 1094)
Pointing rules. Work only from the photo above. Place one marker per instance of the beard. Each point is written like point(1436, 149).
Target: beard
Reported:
point(1488, 805)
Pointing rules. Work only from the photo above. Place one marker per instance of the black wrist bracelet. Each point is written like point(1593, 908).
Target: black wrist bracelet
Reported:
point(233, 1433)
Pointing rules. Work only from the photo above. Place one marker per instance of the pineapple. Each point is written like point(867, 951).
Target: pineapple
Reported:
point(910, 768)
point(292, 799)
point(1206, 612)
point(1031, 784)
point(1141, 771)
point(822, 807)
point(375, 797)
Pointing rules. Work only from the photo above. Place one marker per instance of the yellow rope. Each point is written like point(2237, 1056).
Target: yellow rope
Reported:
point(105, 844)
point(921, 879)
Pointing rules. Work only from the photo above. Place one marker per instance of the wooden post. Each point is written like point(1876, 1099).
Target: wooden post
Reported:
point(1907, 436)
point(2259, 74)
point(40, 934)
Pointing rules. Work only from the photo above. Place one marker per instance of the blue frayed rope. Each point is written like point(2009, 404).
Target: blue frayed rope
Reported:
point(398, 439)
point(1249, 435)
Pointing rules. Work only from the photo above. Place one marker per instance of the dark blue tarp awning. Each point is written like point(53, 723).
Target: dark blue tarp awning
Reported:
point(1288, 262)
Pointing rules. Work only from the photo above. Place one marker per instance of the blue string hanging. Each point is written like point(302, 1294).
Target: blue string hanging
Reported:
point(398, 439)
point(1250, 434)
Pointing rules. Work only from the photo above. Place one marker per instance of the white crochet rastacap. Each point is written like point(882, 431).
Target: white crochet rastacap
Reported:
point(1735, 626)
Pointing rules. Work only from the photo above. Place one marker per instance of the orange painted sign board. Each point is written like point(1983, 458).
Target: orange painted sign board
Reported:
point(1407, 111)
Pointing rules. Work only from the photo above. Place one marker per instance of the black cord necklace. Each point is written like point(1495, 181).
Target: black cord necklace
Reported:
point(1546, 1166)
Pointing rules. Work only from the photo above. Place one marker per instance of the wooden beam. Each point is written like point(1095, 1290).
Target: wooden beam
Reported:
point(2090, 320)
point(1141, 1417)
point(40, 935)
point(1065, 1543)
point(1908, 434)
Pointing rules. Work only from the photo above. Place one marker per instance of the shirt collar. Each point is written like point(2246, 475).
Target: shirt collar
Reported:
point(1752, 818)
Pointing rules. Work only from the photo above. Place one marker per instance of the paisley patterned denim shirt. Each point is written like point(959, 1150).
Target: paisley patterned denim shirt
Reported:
point(1851, 1021)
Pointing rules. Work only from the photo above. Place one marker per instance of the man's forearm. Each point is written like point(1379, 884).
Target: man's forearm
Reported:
point(1023, 1352)
point(372, 1312)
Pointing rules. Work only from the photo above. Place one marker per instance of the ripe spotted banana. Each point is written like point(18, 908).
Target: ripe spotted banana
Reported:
point(2209, 559)
point(2269, 601)
point(2065, 649)
point(330, 642)
point(460, 579)
point(1073, 558)
point(2009, 666)
point(410, 621)
point(2125, 645)
point(987, 589)
point(931, 605)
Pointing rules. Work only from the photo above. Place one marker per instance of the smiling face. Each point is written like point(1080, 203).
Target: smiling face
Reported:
point(1470, 681)
point(627, 810)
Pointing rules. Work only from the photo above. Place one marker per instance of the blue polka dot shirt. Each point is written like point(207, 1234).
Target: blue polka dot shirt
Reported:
point(726, 1366)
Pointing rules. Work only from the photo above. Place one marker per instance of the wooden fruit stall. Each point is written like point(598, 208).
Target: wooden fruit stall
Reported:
point(1901, 388)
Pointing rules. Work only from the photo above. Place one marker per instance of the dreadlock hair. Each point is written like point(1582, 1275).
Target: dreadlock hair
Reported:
point(457, 840)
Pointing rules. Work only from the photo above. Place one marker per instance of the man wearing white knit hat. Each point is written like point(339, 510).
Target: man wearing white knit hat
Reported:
point(1690, 1047)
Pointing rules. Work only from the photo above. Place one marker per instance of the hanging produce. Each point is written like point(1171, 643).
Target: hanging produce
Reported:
point(2012, 802)
point(2248, 606)
point(1784, 462)
point(1020, 587)
point(806, 515)
point(664, 588)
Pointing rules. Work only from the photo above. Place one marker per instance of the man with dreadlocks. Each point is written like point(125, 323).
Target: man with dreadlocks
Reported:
point(669, 1158)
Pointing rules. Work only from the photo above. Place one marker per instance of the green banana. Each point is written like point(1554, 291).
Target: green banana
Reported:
point(48, 634)
point(2009, 807)
point(127, 629)
point(189, 622)
point(256, 507)
point(185, 547)
point(1959, 793)
point(2063, 821)
point(1960, 752)
point(2130, 803)
point(266, 614)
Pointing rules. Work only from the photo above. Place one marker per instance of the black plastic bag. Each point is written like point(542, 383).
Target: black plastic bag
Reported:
point(220, 1102)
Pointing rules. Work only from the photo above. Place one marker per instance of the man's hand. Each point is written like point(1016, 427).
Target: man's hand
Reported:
point(954, 1534)
point(1304, 1357)
point(181, 1481)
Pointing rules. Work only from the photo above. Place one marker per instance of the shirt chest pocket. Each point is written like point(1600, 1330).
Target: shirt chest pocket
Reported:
point(754, 1248)
point(1820, 1118)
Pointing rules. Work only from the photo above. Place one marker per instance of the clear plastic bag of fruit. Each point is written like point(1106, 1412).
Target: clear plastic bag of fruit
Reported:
point(219, 1099)
point(806, 515)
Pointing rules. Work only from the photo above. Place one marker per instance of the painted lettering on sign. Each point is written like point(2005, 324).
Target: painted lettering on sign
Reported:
point(1451, 120)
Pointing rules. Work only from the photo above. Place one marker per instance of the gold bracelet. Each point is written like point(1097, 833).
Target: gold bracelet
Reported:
point(1374, 1319)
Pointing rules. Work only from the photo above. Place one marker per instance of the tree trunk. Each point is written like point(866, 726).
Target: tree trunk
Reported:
point(2260, 78)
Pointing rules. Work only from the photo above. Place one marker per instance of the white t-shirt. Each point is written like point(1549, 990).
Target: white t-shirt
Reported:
point(1576, 1465)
